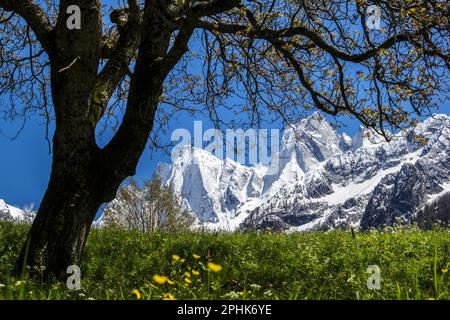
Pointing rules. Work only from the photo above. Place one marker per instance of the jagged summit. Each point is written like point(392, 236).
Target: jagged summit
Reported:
point(325, 179)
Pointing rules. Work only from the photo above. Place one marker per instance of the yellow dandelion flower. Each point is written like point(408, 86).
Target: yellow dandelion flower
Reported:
point(168, 296)
point(170, 282)
point(196, 256)
point(214, 267)
point(136, 293)
point(187, 274)
point(182, 260)
point(187, 280)
point(445, 270)
point(195, 272)
point(160, 279)
point(176, 257)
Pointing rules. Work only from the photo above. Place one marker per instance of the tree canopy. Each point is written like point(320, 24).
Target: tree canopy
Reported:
point(285, 55)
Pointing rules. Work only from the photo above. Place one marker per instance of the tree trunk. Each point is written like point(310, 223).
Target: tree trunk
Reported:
point(59, 231)
point(73, 196)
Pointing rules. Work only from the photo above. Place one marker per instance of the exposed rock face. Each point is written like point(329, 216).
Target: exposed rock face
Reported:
point(396, 198)
point(326, 180)
point(435, 213)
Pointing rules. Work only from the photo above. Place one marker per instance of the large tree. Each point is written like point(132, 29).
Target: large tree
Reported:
point(281, 56)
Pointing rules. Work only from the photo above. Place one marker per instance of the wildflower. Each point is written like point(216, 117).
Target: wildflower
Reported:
point(445, 270)
point(160, 279)
point(187, 280)
point(255, 286)
point(168, 296)
point(170, 282)
point(244, 293)
point(195, 272)
point(136, 293)
point(214, 267)
point(196, 256)
point(176, 257)
point(187, 274)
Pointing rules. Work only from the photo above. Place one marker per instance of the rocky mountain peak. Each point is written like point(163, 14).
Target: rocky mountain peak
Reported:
point(325, 180)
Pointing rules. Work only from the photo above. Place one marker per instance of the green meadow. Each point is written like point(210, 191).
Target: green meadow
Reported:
point(120, 264)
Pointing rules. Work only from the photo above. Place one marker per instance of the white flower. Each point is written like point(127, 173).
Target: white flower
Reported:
point(255, 286)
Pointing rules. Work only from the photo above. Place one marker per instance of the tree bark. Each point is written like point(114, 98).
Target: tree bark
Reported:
point(59, 231)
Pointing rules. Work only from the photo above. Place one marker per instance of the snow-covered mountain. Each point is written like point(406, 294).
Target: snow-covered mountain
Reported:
point(326, 180)
point(10, 213)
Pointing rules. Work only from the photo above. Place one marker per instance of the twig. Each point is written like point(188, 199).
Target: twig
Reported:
point(70, 65)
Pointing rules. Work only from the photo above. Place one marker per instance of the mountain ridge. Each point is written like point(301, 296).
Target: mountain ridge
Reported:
point(326, 180)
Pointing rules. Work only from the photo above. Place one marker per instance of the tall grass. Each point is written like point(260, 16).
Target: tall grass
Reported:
point(121, 264)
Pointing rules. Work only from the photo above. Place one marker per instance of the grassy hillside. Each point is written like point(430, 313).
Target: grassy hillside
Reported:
point(123, 265)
